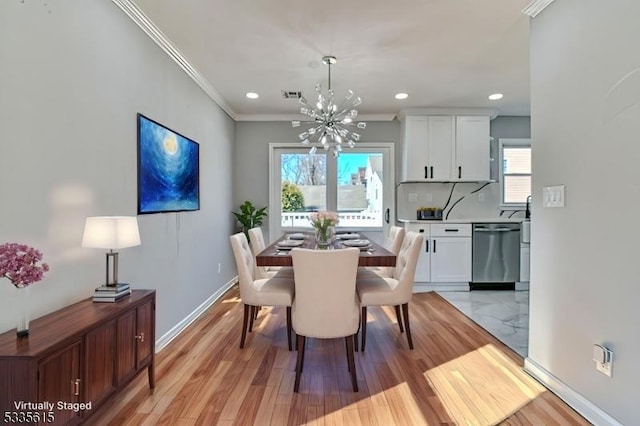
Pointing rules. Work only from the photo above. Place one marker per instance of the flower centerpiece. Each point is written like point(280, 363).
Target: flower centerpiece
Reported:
point(324, 223)
point(22, 265)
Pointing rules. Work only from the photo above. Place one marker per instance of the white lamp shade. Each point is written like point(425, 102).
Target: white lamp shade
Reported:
point(111, 232)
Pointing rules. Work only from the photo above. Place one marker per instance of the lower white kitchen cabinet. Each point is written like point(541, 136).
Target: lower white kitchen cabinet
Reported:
point(444, 262)
point(451, 259)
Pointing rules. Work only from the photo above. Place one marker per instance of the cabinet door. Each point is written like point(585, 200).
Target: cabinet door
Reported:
point(144, 334)
point(126, 346)
point(472, 148)
point(441, 147)
point(59, 380)
point(100, 353)
point(423, 267)
point(451, 260)
point(415, 149)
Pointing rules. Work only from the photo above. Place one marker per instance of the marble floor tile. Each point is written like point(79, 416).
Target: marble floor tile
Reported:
point(503, 313)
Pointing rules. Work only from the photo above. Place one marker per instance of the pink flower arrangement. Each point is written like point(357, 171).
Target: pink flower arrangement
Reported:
point(323, 219)
point(21, 264)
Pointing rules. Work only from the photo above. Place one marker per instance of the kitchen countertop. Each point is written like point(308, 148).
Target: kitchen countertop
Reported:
point(468, 220)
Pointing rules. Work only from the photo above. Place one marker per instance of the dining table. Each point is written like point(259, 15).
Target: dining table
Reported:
point(279, 252)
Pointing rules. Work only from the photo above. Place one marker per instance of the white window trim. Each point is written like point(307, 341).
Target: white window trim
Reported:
point(388, 190)
point(502, 142)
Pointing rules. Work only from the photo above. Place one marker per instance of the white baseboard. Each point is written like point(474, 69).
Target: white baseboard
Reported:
point(178, 328)
point(576, 401)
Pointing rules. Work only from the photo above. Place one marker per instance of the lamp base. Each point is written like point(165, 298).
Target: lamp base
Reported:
point(116, 285)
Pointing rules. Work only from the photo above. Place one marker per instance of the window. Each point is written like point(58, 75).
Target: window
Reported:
point(356, 185)
point(515, 173)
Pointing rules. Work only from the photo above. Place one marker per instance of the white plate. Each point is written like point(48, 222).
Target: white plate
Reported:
point(348, 236)
point(285, 244)
point(357, 243)
point(296, 236)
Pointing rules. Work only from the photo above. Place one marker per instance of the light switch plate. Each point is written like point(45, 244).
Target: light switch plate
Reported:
point(553, 196)
point(412, 197)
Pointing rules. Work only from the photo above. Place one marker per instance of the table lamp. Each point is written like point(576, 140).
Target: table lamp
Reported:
point(112, 233)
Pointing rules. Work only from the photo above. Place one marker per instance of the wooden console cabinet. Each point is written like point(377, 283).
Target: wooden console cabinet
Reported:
point(79, 356)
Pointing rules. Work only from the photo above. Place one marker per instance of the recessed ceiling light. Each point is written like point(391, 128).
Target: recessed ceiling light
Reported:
point(252, 95)
point(495, 96)
point(402, 95)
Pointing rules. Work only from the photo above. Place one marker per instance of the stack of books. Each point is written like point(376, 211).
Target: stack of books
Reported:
point(107, 293)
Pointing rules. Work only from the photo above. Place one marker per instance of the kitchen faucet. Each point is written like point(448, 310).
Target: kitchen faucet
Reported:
point(527, 212)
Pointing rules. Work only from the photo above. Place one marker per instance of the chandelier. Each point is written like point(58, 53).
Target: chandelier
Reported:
point(330, 122)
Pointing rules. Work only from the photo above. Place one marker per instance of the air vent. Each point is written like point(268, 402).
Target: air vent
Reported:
point(291, 94)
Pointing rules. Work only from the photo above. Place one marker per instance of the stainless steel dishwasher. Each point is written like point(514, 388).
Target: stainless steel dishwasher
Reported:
point(496, 255)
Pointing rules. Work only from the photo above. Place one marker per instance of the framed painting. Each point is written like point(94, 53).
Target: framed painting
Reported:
point(168, 169)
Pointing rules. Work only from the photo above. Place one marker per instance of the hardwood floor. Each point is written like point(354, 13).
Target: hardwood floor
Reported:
point(203, 378)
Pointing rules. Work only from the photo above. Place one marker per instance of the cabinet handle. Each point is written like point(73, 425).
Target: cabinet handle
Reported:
point(427, 246)
point(141, 337)
point(451, 230)
point(434, 246)
point(426, 172)
point(431, 172)
point(459, 172)
point(75, 387)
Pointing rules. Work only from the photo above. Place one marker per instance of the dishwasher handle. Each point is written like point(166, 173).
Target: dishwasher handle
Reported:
point(495, 230)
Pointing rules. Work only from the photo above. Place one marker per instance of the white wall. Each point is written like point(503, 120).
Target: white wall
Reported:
point(73, 75)
point(585, 83)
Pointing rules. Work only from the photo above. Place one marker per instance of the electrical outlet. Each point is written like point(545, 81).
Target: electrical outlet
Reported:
point(219, 267)
point(604, 368)
point(603, 358)
point(428, 197)
point(481, 197)
point(412, 197)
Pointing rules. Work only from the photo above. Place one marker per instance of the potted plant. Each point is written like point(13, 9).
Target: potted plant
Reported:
point(250, 217)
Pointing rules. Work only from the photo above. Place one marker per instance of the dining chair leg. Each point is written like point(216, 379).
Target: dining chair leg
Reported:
point(351, 362)
point(300, 342)
point(405, 313)
point(346, 348)
point(363, 318)
point(289, 327)
point(399, 318)
point(251, 317)
point(244, 325)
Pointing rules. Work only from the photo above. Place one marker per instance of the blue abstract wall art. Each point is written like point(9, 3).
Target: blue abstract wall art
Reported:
point(168, 169)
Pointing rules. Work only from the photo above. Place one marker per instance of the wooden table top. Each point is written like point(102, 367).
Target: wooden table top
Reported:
point(375, 256)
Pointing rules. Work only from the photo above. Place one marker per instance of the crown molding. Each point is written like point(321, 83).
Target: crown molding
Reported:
point(491, 112)
point(291, 117)
point(138, 16)
point(535, 7)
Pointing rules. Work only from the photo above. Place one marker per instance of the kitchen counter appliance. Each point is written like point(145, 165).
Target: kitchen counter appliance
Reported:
point(429, 213)
point(496, 256)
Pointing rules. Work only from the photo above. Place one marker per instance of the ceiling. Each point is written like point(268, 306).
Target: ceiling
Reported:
point(443, 53)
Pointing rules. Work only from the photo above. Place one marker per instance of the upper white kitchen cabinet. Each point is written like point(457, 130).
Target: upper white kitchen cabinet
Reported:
point(428, 148)
point(472, 149)
point(443, 148)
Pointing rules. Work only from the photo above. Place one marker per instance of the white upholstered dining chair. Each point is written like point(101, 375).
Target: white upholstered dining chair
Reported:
point(395, 290)
point(326, 305)
point(274, 291)
point(256, 237)
point(393, 242)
